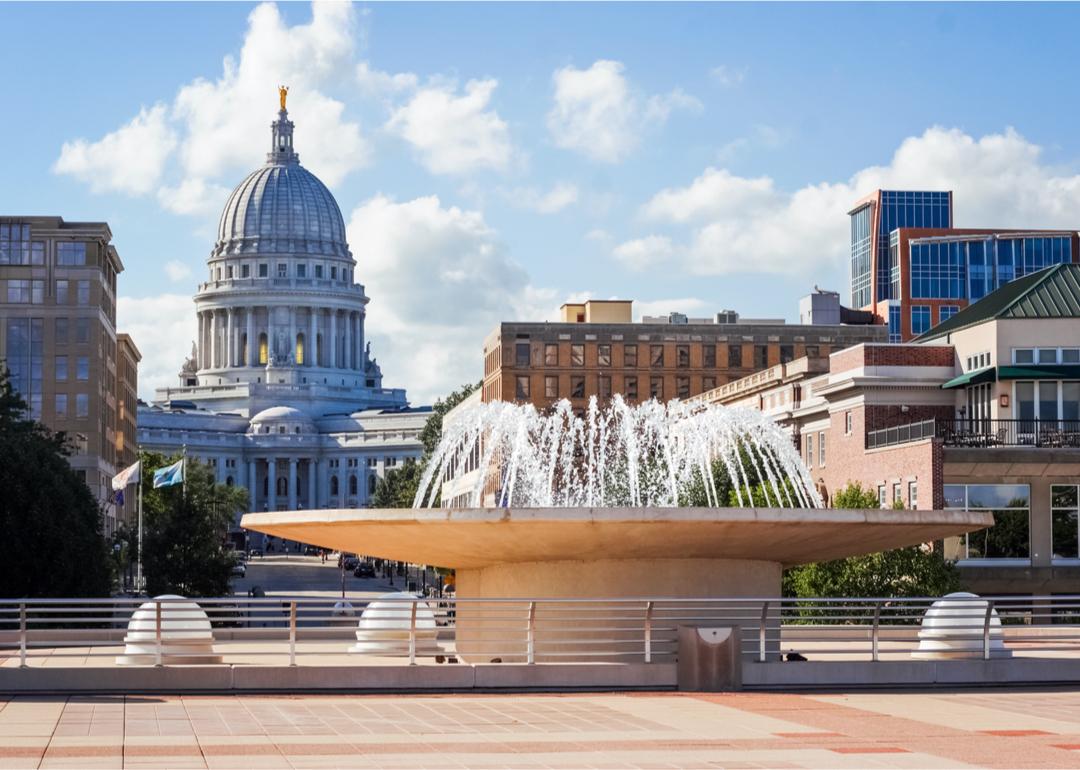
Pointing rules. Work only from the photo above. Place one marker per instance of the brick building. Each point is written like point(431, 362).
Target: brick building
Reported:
point(983, 413)
point(597, 349)
point(58, 339)
point(913, 269)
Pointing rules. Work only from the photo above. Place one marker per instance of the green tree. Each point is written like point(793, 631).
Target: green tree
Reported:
point(185, 528)
point(761, 491)
point(398, 488)
point(911, 571)
point(51, 523)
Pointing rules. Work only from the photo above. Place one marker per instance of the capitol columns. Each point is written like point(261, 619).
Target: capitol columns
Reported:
point(313, 472)
point(252, 345)
point(271, 483)
point(347, 363)
point(311, 350)
point(213, 339)
point(252, 484)
point(333, 338)
point(230, 350)
point(292, 333)
point(292, 483)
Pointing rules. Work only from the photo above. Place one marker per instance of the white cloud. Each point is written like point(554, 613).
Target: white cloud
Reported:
point(440, 279)
point(378, 83)
point(130, 159)
point(596, 111)
point(599, 235)
point(728, 76)
point(739, 224)
point(219, 128)
point(454, 133)
point(163, 328)
point(561, 195)
point(644, 253)
point(177, 270)
point(761, 136)
point(193, 196)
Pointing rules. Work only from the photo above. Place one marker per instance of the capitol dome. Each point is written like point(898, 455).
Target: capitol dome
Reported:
point(282, 419)
point(281, 208)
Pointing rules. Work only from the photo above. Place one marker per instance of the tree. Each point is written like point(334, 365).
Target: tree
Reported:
point(912, 571)
point(185, 528)
point(51, 523)
point(398, 488)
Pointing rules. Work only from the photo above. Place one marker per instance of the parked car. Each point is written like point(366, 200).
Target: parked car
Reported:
point(350, 563)
point(255, 553)
point(239, 569)
point(364, 569)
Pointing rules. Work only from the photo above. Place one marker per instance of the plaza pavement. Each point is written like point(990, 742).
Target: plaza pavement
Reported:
point(983, 728)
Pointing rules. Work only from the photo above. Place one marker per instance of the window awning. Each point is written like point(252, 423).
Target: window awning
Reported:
point(1043, 372)
point(976, 377)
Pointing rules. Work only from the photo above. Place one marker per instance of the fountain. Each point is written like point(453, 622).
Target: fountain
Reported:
point(665, 501)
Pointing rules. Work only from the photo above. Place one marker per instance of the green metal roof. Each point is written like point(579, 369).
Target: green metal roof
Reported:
point(1053, 292)
point(1040, 372)
point(975, 377)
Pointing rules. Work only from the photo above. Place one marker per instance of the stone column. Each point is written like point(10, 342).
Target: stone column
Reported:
point(271, 483)
point(347, 363)
point(230, 351)
point(312, 349)
point(292, 333)
point(333, 339)
point(200, 348)
point(269, 332)
point(213, 339)
point(253, 484)
point(312, 470)
point(252, 343)
point(292, 484)
point(360, 362)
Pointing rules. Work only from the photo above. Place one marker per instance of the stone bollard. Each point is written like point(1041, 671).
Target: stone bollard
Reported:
point(710, 659)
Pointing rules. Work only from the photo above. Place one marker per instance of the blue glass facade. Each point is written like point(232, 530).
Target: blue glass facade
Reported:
point(860, 257)
point(959, 268)
point(920, 319)
point(905, 209)
point(895, 332)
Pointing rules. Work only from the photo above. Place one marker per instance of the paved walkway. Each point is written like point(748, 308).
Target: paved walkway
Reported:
point(649, 730)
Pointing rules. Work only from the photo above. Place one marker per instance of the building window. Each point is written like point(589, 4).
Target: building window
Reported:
point(603, 355)
point(1064, 507)
point(521, 387)
point(656, 356)
point(1009, 538)
point(896, 496)
point(84, 293)
point(82, 405)
point(882, 496)
point(577, 355)
point(60, 407)
point(25, 356)
point(708, 383)
point(787, 353)
point(301, 270)
point(18, 292)
point(333, 273)
point(813, 351)
point(551, 355)
point(334, 486)
point(809, 450)
point(521, 355)
point(69, 254)
point(37, 292)
point(264, 350)
point(264, 270)
point(848, 423)
point(734, 356)
point(708, 356)
point(61, 292)
point(682, 356)
point(761, 356)
point(353, 485)
point(605, 386)
point(630, 356)
point(821, 449)
point(14, 244)
point(82, 330)
point(577, 386)
point(282, 270)
point(682, 387)
point(913, 495)
point(318, 271)
point(656, 388)
point(631, 388)
point(245, 271)
point(920, 319)
point(60, 368)
point(945, 312)
point(551, 387)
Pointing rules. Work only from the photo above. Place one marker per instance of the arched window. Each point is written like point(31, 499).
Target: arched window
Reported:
point(372, 480)
point(300, 349)
point(229, 481)
point(282, 487)
point(352, 484)
point(333, 486)
point(281, 429)
point(264, 351)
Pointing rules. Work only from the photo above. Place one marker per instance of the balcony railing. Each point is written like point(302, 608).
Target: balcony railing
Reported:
point(900, 434)
point(1009, 433)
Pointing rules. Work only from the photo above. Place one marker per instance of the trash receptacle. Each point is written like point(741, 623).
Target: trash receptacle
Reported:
point(710, 659)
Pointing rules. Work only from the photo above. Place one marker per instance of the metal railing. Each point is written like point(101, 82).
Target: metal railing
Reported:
point(1014, 433)
point(533, 631)
point(900, 434)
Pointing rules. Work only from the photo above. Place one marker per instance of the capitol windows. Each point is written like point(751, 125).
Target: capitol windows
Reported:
point(333, 273)
point(318, 271)
point(263, 349)
point(353, 486)
point(264, 270)
point(301, 271)
point(334, 486)
point(300, 349)
point(229, 271)
point(282, 270)
point(371, 482)
point(245, 271)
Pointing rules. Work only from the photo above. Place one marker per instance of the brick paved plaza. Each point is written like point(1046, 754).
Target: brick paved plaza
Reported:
point(982, 728)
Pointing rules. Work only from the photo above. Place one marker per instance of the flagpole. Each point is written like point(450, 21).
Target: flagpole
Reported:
point(138, 568)
point(183, 471)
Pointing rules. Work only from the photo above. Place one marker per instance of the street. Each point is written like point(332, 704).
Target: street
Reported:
point(294, 575)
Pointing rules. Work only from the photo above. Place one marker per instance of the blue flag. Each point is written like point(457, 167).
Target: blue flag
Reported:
point(169, 475)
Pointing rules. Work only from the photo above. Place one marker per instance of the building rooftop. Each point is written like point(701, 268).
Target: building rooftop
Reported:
point(1053, 292)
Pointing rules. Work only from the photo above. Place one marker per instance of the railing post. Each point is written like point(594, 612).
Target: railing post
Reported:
point(22, 635)
point(292, 633)
point(875, 634)
point(530, 646)
point(412, 633)
point(157, 633)
point(986, 629)
point(761, 631)
point(648, 631)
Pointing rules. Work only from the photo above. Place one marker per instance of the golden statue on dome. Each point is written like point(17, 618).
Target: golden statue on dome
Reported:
point(283, 91)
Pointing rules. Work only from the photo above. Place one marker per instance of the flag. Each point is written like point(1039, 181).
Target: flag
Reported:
point(127, 476)
point(169, 475)
point(118, 498)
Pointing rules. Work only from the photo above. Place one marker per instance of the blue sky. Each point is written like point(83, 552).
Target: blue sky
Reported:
point(494, 160)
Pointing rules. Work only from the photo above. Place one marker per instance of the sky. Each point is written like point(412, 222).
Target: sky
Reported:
point(493, 161)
